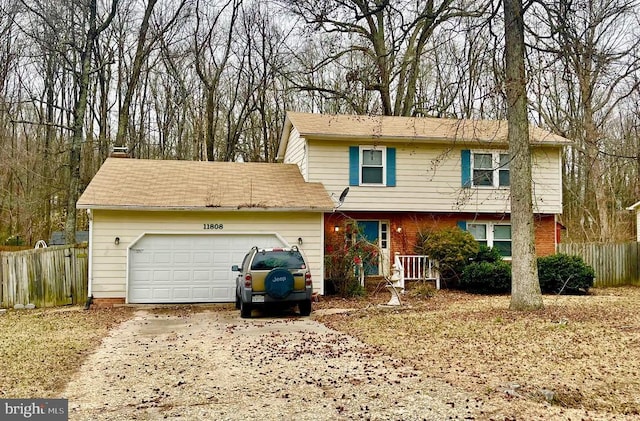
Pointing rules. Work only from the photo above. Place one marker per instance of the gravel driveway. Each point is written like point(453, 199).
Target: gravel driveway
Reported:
point(213, 365)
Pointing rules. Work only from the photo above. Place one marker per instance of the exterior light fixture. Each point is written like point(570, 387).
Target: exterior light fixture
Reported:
point(336, 228)
point(116, 241)
point(399, 230)
point(300, 241)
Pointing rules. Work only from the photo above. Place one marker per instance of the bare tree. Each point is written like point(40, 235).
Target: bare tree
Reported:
point(269, 96)
point(144, 45)
point(92, 26)
point(525, 287)
point(213, 44)
point(595, 62)
point(8, 60)
point(36, 123)
point(389, 39)
point(462, 75)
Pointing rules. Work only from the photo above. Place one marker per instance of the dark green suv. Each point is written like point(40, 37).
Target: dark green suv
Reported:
point(273, 275)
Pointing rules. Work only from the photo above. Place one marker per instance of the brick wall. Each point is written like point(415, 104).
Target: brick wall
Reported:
point(545, 227)
point(404, 227)
point(106, 302)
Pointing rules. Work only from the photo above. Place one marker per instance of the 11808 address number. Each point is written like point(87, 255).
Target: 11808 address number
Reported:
point(213, 226)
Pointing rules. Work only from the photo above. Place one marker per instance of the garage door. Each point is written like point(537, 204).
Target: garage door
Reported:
point(172, 268)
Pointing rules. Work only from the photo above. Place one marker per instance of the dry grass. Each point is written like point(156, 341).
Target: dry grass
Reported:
point(40, 349)
point(585, 349)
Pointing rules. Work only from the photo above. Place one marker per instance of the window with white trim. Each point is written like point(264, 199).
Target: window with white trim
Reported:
point(372, 165)
point(490, 169)
point(494, 235)
point(384, 235)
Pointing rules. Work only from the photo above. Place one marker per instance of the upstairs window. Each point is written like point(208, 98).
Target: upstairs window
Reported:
point(482, 169)
point(485, 169)
point(503, 170)
point(372, 166)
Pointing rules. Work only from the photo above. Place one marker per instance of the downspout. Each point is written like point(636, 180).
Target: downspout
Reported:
point(90, 263)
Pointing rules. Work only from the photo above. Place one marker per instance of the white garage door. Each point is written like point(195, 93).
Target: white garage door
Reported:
point(172, 268)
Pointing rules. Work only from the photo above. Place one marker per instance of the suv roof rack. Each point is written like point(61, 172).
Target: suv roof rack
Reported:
point(292, 248)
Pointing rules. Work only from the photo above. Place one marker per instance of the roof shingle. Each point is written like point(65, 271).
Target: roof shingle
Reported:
point(156, 184)
point(412, 128)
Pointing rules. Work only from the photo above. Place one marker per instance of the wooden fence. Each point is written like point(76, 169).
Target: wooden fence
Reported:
point(614, 264)
point(46, 277)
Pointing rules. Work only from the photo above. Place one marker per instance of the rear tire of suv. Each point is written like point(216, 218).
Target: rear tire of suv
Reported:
point(237, 302)
point(245, 310)
point(305, 307)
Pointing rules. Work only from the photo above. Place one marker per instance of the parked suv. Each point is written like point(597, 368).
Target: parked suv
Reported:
point(273, 275)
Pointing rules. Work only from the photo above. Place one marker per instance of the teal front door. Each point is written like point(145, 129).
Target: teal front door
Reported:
point(370, 231)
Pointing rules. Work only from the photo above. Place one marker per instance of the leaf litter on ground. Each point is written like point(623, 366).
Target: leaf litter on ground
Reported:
point(580, 353)
point(578, 358)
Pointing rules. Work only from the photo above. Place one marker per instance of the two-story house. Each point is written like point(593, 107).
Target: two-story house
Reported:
point(170, 231)
point(408, 174)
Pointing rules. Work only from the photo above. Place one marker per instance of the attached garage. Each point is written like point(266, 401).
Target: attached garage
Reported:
point(186, 268)
point(169, 231)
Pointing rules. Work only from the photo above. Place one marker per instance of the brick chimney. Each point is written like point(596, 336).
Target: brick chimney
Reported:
point(120, 152)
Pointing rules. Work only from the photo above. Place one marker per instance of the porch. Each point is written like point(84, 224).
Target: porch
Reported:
point(408, 267)
point(414, 268)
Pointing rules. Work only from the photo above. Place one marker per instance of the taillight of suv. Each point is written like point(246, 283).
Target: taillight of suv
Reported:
point(247, 280)
point(307, 280)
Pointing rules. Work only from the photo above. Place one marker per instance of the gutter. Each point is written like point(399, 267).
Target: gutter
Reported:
point(202, 209)
point(464, 141)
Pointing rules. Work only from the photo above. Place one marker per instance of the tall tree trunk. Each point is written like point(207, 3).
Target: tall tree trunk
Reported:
point(593, 160)
point(79, 110)
point(525, 287)
point(49, 140)
point(77, 135)
point(141, 53)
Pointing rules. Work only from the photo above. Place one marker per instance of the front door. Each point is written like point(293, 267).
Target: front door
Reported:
point(376, 233)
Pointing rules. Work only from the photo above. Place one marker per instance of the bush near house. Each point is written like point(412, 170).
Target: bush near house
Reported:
point(487, 273)
point(346, 253)
point(451, 248)
point(564, 274)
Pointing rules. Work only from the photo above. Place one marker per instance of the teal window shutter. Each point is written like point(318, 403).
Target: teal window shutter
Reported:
point(391, 167)
point(354, 165)
point(462, 225)
point(466, 167)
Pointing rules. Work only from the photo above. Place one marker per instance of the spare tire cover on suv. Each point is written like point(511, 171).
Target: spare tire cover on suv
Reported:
point(278, 283)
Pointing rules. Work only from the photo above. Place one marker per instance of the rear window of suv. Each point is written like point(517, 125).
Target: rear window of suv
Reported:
point(267, 260)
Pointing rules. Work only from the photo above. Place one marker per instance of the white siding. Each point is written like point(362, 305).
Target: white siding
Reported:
point(296, 152)
point(109, 261)
point(428, 179)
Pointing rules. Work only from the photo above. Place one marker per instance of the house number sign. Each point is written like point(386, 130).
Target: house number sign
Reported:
point(213, 226)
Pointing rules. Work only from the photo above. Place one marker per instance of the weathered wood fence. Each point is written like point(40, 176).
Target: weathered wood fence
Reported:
point(46, 277)
point(614, 264)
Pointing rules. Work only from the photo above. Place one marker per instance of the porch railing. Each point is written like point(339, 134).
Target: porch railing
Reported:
point(415, 268)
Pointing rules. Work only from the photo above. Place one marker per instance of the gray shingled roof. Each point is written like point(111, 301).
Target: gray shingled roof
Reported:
point(123, 183)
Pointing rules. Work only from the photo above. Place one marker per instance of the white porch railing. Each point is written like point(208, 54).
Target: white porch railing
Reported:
point(415, 268)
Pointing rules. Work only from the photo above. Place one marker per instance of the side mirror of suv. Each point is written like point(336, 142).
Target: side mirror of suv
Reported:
point(235, 268)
